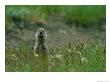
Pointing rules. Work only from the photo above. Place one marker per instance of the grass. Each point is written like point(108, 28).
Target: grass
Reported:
point(80, 56)
point(81, 15)
point(76, 57)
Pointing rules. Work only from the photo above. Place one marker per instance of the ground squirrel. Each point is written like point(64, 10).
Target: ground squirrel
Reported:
point(40, 47)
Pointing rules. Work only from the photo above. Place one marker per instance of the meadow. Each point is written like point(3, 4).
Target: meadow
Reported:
point(79, 57)
point(76, 38)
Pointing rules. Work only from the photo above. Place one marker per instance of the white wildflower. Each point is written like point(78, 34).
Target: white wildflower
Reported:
point(84, 59)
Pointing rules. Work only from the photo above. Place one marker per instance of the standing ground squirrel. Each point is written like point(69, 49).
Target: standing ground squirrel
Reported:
point(40, 47)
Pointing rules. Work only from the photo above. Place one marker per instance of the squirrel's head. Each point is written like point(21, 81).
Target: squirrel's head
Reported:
point(41, 33)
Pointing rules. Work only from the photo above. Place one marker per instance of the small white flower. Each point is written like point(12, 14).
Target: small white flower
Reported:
point(76, 57)
point(69, 50)
point(78, 52)
point(36, 55)
point(84, 59)
point(58, 56)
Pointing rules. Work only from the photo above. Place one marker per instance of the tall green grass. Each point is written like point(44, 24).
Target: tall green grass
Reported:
point(84, 15)
point(77, 57)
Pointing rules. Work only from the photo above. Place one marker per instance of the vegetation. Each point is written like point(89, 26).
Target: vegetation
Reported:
point(68, 29)
point(81, 57)
point(80, 15)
